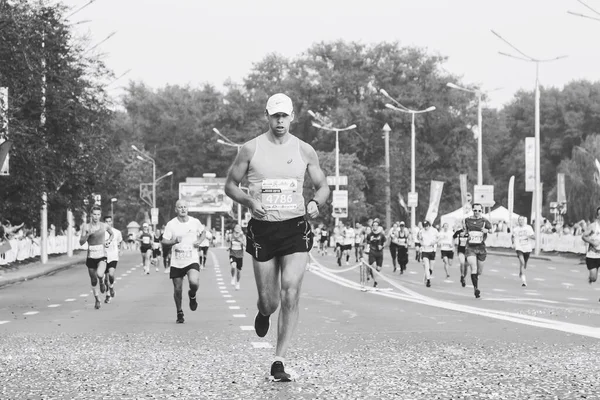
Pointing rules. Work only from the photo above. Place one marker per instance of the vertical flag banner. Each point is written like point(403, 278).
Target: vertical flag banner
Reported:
point(435, 195)
point(561, 196)
point(511, 200)
point(463, 189)
point(402, 202)
point(4, 159)
point(529, 164)
point(533, 200)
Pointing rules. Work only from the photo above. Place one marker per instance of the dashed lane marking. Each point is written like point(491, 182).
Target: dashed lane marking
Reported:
point(239, 315)
point(4, 322)
point(514, 274)
point(493, 270)
point(226, 295)
point(53, 305)
point(412, 272)
point(222, 287)
point(566, 284)
point(119, 278)
point(31, 313)
point(539, 279)
point(67, 300)
point(532, 294)
point(247, 328)
point(552, 268)
point(230, 301)
point(261, 345)
point(498, 290)
point(84, 295)
point(578, 299)
point(234, 307)
point(574, 270)
point(224, 291)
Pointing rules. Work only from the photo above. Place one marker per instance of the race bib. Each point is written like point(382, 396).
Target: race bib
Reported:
point(475, 237)
point(402, 242)
point(183, 252)
point(96, 251)
point(462, 241)
point(279, 194)
point(146, 240)
point(156, 245)
point(236, 246)
point(446, 246)
point(524, 241)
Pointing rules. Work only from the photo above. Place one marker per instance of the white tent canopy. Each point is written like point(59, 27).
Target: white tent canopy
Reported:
point(499, 214)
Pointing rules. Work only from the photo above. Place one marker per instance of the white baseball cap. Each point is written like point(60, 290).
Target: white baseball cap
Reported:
point(279, 103)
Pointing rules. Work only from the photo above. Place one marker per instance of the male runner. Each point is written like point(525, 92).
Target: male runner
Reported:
point(359, 242)
point(339, 241)
point(279, 236)
point(113, 251)
point(592, 238)
point(166, 253)
point(416, 231)
point(204, 249)
point(447, 247)
point(349, 235)
point(521, 239)
point(428, 236)
point(402, 241)
point(185, 234)
point(477, 228)
point(156, 247)
point(461, 237)
point(376, 242)
point(145, 240)
point(94, 234)
point(236, 255)
point(324, 240)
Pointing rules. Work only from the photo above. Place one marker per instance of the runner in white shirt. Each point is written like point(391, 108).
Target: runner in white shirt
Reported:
point(446, 242)
point(349, 236)
point(339, 242)
point(428, 237)
point(204, 245)
point(185, 234)
point(592, 238)
point(113, 251)
point(521, 238)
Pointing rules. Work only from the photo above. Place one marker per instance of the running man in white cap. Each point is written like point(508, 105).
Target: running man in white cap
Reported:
point(279, 235)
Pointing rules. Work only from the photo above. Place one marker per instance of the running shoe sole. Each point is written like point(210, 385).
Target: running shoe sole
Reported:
point(262, 324)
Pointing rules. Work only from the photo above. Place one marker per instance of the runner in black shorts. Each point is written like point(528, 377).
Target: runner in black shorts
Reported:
point(279, 237)
point(592, 258)
point(145, 240)
point(156, 247)
point(461, 246)
point(323, 240)
point(376, 241)
point(428, 236)
point(236, 255)
point(477, 229)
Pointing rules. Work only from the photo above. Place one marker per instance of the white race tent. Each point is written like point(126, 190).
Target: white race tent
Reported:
point(499, 214)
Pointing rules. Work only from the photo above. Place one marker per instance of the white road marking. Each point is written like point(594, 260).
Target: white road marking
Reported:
point(577, 298)
point(234, 307)
point(498, 290)
point(222, 287)
point(53, 305)
point(493, 270)
point(84, 295)
point(514, 274)
point(239, 315)
point(574, 270)
point(119, 278)
point(230, 301)
point(226, 295)
point(552, 268)
point(412, 272)
point(4, 322)
point(532, 294)
point(448, 281)
point(539, 279)
point(69, 299)
point(247, 328)
point(224, 291)
point(261, 345)
point(31, 313)
point(566, 284)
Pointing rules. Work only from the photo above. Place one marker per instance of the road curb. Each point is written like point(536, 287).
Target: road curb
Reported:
point(39, 274)
point(532, 257)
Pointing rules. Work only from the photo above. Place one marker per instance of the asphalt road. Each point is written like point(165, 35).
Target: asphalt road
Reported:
point(403, 341)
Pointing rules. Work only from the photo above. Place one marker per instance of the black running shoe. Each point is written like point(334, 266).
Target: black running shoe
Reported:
point(112, 291)
point(374, 284)
point(428, 284)
point(278, 373)
point(97, 305)
point(102, 286)
point(107, 300)
point(262, 324)
point(193, 302)
point(180, 319)
point(462, 281)
point(477, 293)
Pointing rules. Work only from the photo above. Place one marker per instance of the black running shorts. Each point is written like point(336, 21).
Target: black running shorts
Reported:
point(377, 258)
point(237, 261)
point(112, 264)
point(93, 262)
point(476, 251)
point(428, 254)
point(267, 240)
point(592, 263)
point(166, 250)
point(182, 272)
point(524, 254)
point(156, 253)
point(204, 250)
point(448, 253)
point(145, 248)
point(346, 247)
point(461, 249)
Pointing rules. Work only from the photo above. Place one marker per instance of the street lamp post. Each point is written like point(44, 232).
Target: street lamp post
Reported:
point(112, 211)
point(154, 180)
point(337, 131)
point(403, 109)
point(479, 94)
point(537, 191)
point(388, 201)
point(227, 142)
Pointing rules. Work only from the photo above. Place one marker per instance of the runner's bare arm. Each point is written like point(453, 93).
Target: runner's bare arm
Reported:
point(236, 173)
point(317, 176)
point(84, 234)
point(110, 233)
point(586, 237)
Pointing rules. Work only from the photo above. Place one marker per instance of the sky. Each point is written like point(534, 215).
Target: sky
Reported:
point(192, 42)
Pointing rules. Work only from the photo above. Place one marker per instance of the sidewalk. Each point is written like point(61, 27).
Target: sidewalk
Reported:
point(22, 272)
point(546, 256)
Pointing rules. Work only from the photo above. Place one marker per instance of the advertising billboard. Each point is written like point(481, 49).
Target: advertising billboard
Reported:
point(206, 197)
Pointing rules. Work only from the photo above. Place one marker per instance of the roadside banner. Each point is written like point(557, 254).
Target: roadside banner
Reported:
point(435, 195)
point(511, 200)
point(529, 164)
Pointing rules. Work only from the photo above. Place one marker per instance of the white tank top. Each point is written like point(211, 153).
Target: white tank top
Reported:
point(594, 252)
point(276, 178)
